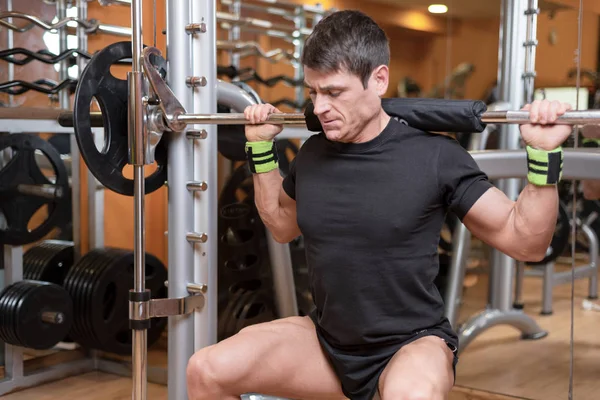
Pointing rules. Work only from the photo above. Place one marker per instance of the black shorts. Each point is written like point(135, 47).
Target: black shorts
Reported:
point(359, 369)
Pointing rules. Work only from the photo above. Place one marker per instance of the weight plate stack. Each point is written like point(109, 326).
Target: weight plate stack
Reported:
point(246, 294)
point(99, 285)
point(48, 261)
point(35, 314)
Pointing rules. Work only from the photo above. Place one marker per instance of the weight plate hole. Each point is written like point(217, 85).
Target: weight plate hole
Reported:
point(100, 140)
point(46, 168)
point(250, 285)
point(149, 169)
point(253, 311)
point(237, 237)
point(118, 72)
point(109, 300)
point(38, 218)
point(249, 261)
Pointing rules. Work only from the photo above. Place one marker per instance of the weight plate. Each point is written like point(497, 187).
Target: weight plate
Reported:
point(258, 308)
point(86, 284)
point(5, 325)
point(96, 261)
point(112, 95)
point(17, 206)
point(41, 298)
point(99, 284)
point(110, 303)
point(48, 261)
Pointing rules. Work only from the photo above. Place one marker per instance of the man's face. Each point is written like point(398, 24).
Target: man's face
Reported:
point(344, 107)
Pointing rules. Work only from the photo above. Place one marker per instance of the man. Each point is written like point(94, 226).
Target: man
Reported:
point(370, 195)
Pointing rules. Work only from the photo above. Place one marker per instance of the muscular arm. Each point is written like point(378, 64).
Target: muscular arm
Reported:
point(276, 208)
point(521, 229)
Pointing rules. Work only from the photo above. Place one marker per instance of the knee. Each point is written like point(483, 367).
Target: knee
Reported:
point(206, 375)
point(412, 392)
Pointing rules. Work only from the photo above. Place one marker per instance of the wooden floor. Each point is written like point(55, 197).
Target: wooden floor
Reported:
point(496, 366)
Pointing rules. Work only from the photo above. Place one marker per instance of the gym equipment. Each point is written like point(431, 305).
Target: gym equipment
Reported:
point(99, 285)
point(24, 189)
point(34, 314)
point(111, 93)
point(48, 261)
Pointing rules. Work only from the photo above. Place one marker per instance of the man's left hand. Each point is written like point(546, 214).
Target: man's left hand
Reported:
point(542, 133)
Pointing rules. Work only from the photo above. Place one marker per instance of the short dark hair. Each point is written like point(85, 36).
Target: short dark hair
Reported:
point(347, 39)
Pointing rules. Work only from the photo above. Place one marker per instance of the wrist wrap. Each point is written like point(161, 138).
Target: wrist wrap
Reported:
point(544, 167)
point(262, 156)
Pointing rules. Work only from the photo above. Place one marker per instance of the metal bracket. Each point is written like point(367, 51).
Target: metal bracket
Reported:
point(169, 105)
point(157, 308)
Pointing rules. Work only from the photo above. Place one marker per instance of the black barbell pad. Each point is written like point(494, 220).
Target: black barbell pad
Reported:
point(433, 115)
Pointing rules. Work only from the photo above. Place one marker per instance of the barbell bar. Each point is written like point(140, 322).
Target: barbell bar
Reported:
point(65, 118)
point(488, 117)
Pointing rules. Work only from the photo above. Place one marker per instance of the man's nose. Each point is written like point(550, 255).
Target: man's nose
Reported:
point(321, 104)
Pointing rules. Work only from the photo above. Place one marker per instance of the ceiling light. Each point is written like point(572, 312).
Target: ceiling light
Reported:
point(437, 8)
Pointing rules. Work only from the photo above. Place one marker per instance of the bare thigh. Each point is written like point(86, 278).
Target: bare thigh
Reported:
point(421, 369)
point(280, 358)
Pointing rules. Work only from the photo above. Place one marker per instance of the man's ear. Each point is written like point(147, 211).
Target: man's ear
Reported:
point(381, 79)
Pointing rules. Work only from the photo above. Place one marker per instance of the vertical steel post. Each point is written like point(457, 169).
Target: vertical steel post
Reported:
point(205, 153)
point(137, 147)
point(181, 272)
point(512, 90)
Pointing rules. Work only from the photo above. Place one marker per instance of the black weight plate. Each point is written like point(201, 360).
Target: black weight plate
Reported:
point(18, 208)
point(32, 261)
point(9, 298)
point(5, 327)
point(108, 302)
point(48, 261)
point(97, 261)
point(227, 321)
point(112, 95)
point(73, 286)
point(560, 239)
point(56, 268)
point(21, 293)
point(32, 331)
point(69, 286)
point(111, 319)
point(258, 308)
point(21, 290)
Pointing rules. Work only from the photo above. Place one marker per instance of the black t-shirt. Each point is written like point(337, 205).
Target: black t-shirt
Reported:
point(371, 215)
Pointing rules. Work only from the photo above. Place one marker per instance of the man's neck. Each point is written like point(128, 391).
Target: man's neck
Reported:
point(373, 128)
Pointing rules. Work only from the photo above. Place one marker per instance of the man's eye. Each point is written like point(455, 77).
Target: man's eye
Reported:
point(334, 94)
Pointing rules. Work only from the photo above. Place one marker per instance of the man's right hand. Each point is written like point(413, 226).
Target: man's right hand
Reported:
point(257, 130)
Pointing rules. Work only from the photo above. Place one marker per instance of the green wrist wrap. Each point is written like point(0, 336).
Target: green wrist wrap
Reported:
point(262, 156)
point(544, 167)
